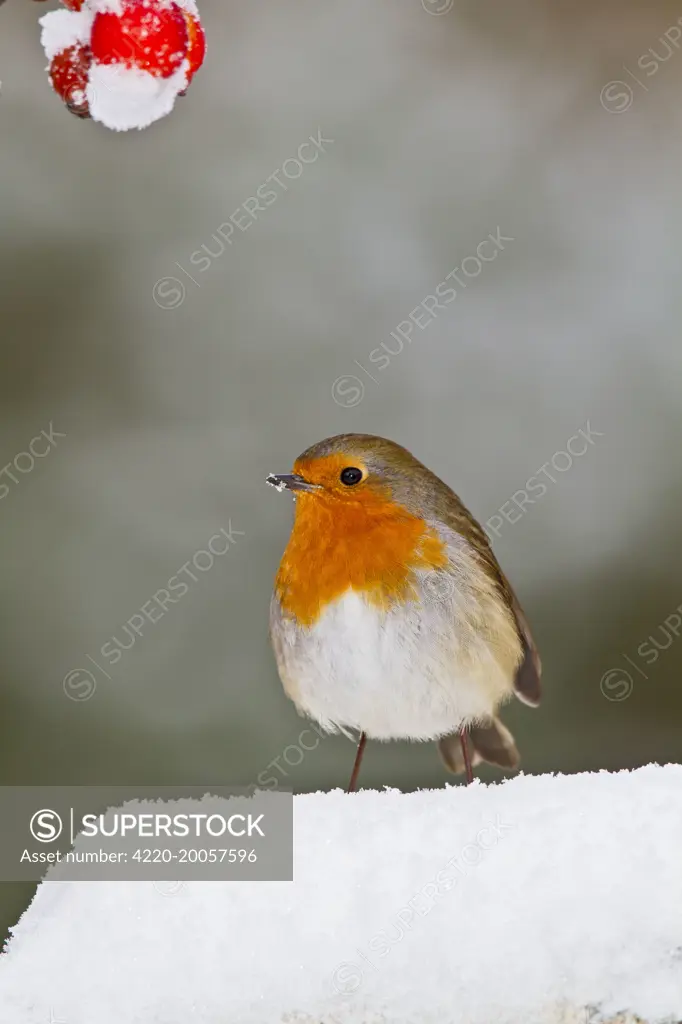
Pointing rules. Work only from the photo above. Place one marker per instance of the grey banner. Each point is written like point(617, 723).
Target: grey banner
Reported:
point(130, 833)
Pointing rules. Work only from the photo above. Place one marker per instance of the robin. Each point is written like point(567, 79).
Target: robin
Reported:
point(390, 614)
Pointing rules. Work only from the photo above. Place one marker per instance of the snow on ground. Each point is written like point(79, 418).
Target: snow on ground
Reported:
point(546, 898)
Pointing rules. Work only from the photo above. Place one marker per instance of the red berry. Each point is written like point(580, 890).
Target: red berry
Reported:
point(197, 44)
point(73, 5)
point(69, 77)
point(147, 36)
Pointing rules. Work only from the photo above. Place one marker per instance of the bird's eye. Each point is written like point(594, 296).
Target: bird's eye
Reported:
point(350, 476)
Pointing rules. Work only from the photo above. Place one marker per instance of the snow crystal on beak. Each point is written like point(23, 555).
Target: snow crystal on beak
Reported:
point(276, 482)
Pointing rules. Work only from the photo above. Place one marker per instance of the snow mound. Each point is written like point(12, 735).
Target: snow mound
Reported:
point(542, 899)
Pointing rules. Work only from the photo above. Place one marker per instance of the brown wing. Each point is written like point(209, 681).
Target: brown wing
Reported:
point(527, 685)
point(527, 682)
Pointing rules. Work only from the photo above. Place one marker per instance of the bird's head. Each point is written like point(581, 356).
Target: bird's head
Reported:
point(359, 470)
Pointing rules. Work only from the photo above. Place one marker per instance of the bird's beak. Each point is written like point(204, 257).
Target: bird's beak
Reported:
point(290, 482)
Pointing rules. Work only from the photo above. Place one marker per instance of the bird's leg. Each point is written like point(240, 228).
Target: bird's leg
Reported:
point(467, 757)
point(358, 760)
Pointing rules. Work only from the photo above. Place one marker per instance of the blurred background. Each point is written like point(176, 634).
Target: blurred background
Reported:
point(171, 388)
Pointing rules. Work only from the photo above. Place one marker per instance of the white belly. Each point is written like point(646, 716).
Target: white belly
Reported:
point(417, 674)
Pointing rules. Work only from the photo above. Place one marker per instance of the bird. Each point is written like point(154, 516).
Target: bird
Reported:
point(390, 617)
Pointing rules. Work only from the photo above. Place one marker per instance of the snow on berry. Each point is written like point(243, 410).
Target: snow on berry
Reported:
point(123, 62)
point(62, 29)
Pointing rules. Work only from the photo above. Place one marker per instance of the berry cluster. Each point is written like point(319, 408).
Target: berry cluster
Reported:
point(162, 39)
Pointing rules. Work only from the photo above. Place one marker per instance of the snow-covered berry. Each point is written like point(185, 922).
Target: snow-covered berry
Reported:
point(69, 77)
point(123, 62)
point(148, 35)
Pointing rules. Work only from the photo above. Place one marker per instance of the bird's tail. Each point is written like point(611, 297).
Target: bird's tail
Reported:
point(490, 741)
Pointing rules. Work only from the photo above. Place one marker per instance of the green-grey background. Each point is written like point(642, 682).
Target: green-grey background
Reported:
point(445, 128)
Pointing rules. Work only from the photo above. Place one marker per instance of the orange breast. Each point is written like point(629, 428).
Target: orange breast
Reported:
point(336, 546)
